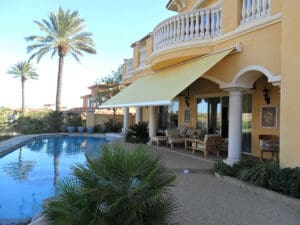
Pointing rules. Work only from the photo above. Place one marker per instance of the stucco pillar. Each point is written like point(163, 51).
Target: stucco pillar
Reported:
point(235, 126)
point(126, 118)
point(90, 118)
point(138, 114)
point(153, 120)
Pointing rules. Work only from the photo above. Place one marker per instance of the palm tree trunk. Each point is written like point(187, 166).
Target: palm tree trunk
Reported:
point(59, 83)
point(23, 95)
point(114, 116)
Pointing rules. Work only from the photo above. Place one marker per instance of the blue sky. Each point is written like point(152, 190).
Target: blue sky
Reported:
point(115, 25)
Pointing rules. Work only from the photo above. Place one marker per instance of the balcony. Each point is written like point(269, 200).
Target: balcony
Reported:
point(128, 68)
point(255, 9)
point(196, 25)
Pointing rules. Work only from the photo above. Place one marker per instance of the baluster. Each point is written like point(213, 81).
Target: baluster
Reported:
point(167, 33)
point(212, 23)
point(253, 9)
point(217, 21)
point(187, 26)
point(163, 36)
point(258, 8)
point(207, 23)
point(174, 30)
point(248, 11)
point(197, 25)
point(202, 24)
point(192, 28)
point(182, 29)
point(269, 7)
point(178, 29)
point(244, 12)
point(220, 20)
point(264, 8)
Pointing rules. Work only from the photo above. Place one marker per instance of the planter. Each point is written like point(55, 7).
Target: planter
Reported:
point(90, 129)
point(71, 129)
point(80, 129)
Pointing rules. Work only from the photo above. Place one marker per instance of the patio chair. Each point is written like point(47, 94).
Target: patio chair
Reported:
point(269, 143)
point(211, 143)
point(174, 137)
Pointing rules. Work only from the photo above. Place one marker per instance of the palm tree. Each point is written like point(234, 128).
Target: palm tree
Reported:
point(63, 35)
point(23, 70)
point(121, 187)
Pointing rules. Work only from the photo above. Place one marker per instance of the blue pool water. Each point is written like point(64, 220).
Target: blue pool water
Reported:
point(28, 175)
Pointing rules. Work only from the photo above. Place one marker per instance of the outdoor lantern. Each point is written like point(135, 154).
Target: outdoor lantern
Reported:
point(266, 95)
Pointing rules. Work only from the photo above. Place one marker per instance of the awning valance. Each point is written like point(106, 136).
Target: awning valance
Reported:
point(161, 87)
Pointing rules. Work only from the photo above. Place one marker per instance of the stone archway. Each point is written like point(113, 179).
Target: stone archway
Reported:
point(244, 81)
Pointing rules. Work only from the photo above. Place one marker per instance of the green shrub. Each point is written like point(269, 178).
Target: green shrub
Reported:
point(223, 169)
point(73, 119)
point(121, 187)
point(287, 181)
point(138, 133)
point(55, 121)
point(99, 129)
point(30, 125)
point(260, 173)
point(111, 127)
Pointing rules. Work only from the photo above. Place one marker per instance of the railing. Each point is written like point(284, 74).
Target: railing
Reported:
point(143, 56)
point(128, 67)
point(255, 9)
point(195, 25)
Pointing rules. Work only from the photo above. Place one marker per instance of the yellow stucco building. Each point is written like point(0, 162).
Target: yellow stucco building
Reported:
point(221, 66)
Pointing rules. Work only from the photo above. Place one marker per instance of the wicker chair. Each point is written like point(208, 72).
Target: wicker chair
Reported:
point(211, 143)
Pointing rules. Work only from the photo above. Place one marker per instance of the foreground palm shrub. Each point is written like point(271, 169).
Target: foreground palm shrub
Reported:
point(122, 187)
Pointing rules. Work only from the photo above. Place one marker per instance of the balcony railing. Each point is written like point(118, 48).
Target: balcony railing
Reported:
point(255, 9)
point(195, 25)
point(128, 67)
point(143, 57)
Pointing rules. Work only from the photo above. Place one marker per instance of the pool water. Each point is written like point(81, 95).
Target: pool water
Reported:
point(28, 174)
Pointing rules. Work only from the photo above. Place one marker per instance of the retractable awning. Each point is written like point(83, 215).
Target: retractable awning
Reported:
point(161, 87)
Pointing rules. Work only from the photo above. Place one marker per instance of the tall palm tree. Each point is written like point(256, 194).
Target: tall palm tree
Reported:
point(63, 35)
point(23, 70)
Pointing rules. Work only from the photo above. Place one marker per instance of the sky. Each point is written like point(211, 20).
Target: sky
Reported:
point(115, 26)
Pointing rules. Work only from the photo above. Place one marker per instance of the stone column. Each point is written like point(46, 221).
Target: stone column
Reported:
point(138, 114)
point(153, 120)
point(90, 118)
point(235, 126)
point(126, 118)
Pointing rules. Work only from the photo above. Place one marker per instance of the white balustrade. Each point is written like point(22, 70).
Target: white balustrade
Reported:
point(195, 25)
point(143, 56)
point(128, 67)
point(255, 9)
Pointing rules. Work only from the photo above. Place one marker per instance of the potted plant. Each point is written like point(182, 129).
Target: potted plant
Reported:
point(73, 120)
point(90, 129)
point(82, 127)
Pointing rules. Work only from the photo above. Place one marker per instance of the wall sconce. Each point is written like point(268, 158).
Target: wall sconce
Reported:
point(266, 95)
point(187, 98)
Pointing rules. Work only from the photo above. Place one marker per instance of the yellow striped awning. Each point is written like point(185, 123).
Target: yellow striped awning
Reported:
point(161, 87)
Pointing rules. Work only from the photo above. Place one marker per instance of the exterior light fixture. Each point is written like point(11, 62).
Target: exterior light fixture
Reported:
point(266, 95)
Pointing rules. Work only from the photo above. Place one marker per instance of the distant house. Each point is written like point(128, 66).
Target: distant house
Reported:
point(89, 101)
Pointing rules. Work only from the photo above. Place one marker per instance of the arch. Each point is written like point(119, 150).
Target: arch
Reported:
point(248, 75)
point(213, 79)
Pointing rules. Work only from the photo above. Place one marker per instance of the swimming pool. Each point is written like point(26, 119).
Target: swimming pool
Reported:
point(28, 174)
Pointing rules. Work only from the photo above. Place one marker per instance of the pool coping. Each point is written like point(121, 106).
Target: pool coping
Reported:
point(11, 144)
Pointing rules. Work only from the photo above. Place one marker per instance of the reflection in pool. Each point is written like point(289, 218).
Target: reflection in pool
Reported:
point(29, 174)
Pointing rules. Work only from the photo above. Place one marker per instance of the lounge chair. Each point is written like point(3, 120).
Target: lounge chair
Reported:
point(211, 143)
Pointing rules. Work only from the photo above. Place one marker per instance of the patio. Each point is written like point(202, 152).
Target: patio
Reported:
point(204, 199)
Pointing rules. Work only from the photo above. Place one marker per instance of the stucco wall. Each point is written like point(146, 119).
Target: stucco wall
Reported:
point(290, 106)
